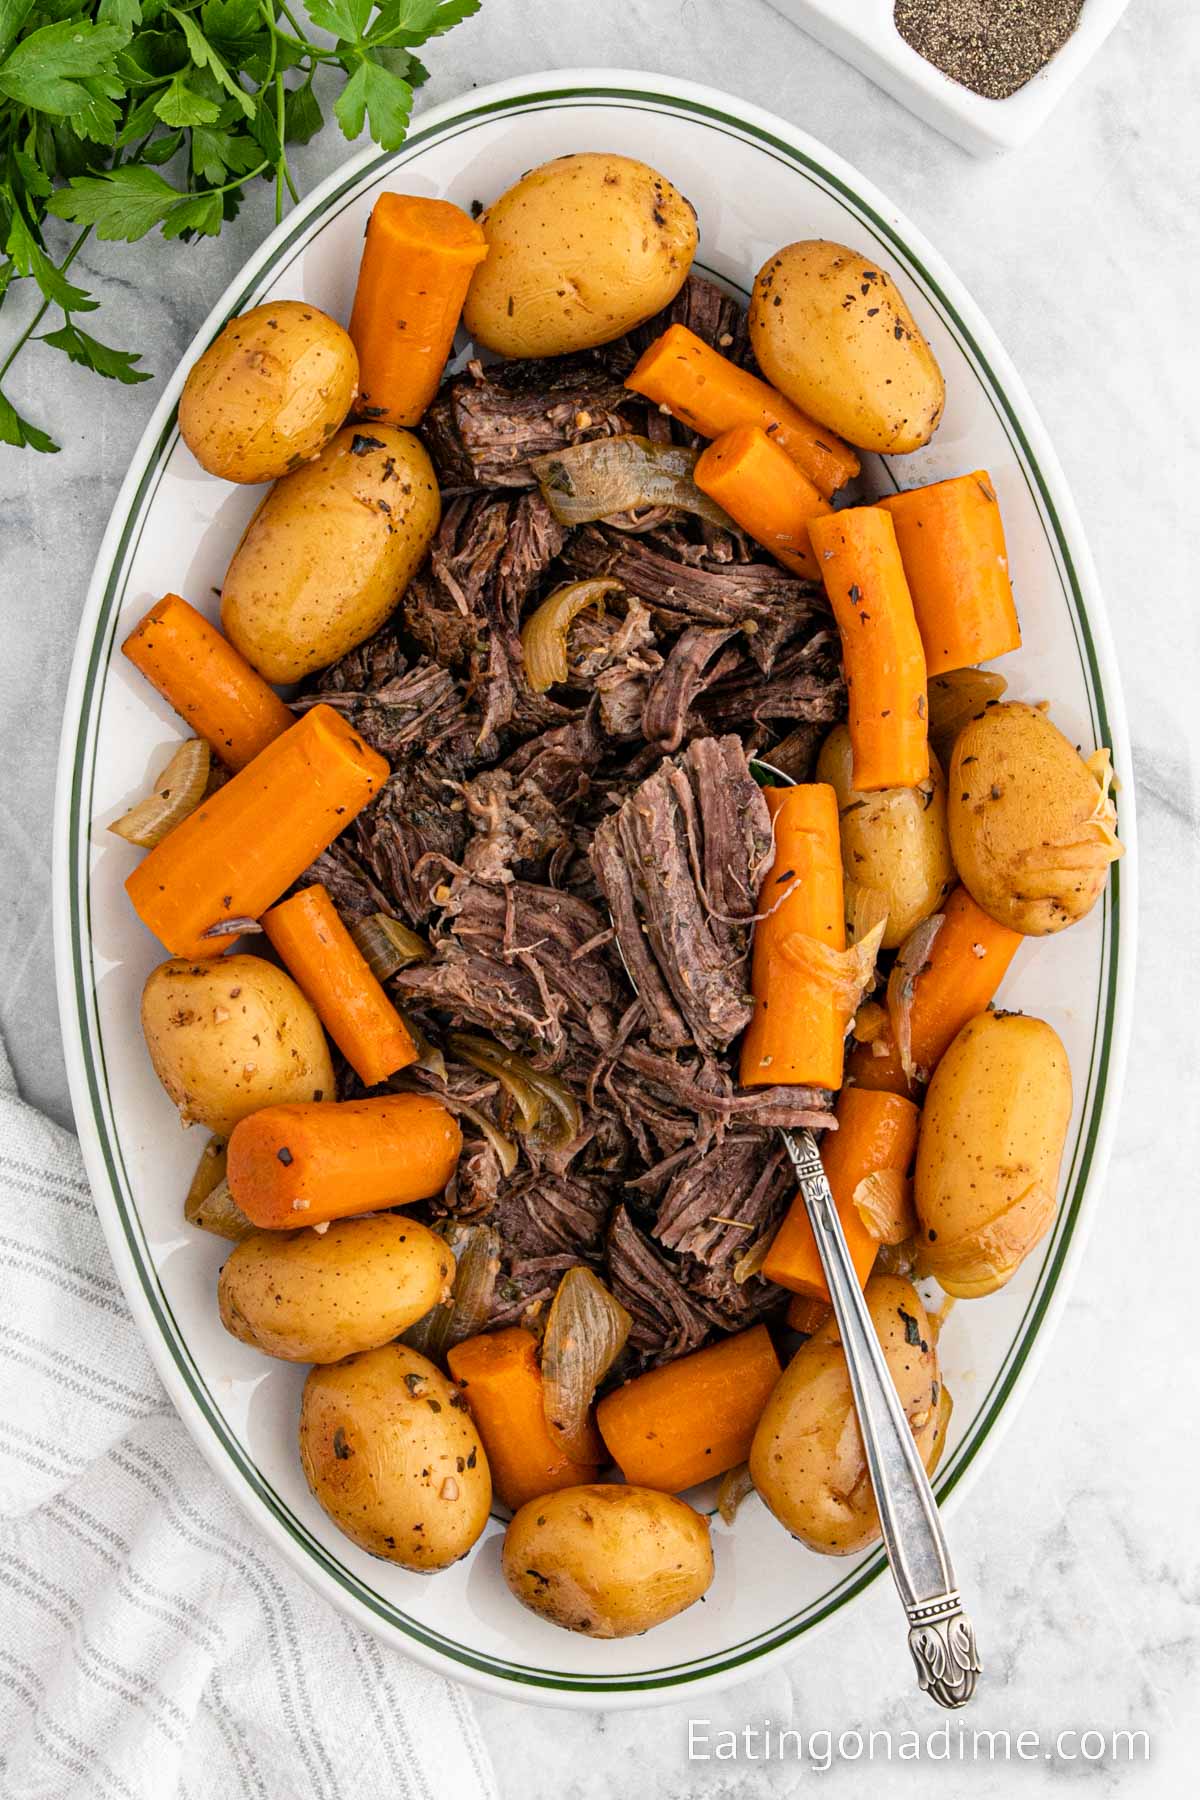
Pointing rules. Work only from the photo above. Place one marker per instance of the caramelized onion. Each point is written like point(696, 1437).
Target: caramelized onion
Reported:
point(883, 1201)
point(732, 1489)
point(178, 791)
point(506, 1151)
point(585, 1334)
point(955, 698)
point(866, 907)
point(846, 973)
point(387, 945)
point(477, 1258)
point(547, 1111)
point(545, 632)
point(429, 1055)
point(912, 959)
point(622, 475)
point(209, 1204)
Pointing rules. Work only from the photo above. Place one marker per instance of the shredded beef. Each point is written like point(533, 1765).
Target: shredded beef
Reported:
point(585, 863)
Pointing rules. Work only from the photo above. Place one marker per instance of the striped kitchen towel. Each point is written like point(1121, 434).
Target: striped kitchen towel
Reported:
point(151, 1643)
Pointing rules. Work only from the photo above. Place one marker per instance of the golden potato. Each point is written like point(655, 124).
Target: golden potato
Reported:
point(834, 334)
point(992, 1135)
point(330, 551)
point(391, 1453)
point(232, 1034)
point(268, 392)
point(1032, 825)
point(608, 1561)
point(807, 1460)
point(894, 841)
point(309, 1296)
point(580, 250)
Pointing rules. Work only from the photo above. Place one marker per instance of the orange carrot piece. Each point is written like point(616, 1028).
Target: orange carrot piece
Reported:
point(798, 1029)
point(760, 487)
point(951, 540)
point(880, 1069)
point(676, 1426)
point(332, 971)
point(967, 962)
point(248, 841)
point(503, 1381)
point(875, 1131)
point(806, 1314)
point(207, 681)
point(881, 646)
point(416, 268)
point(705, 390)
point(291, 1166)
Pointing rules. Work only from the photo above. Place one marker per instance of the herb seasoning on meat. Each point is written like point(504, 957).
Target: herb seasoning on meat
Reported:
point(992, 47)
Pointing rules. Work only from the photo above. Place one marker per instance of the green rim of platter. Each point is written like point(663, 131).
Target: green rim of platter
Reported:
point(81, 978)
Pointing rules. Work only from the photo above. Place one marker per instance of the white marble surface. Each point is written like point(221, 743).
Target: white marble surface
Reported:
point(1078, 1544)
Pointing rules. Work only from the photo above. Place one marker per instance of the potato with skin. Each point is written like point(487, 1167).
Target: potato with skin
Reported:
point(833, 332)
point(232, 1034)
point(992, 1135)
point(316, 1297)
point(807, 1460)
point(268, 392)
point(894, 841)
point(580, 251)
point(330, 551)
point(608, 1561)
point(1032, 825)
point(391, 1453)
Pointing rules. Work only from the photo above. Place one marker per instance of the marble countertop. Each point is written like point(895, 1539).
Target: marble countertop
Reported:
point(1077, 1543)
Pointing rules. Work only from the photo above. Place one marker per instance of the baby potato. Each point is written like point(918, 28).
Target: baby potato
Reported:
point(391, 1453)
point(992, 1134)
point(268, 392)
point(232, 1034)
point(807, 1460)
point(894, 841)
point(580, 250)
point(1032, 825)
point(310, 1296)
point(607, 1561)
point(328, 554)
point(834, 334)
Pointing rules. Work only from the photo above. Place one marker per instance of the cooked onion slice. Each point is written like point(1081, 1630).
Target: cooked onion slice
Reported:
point(209, 1204)
point(846, 973)
point(585, 1334)
point(387, 945)
point(506, 1151)
point(883, 1201)
point(477, 1257)
point(732, 1489)
point(902, 982)
point(544, 634)
point(866, 907)
point(178, 791)
point(547, 1112)
point(622, 475)
point(955, 698)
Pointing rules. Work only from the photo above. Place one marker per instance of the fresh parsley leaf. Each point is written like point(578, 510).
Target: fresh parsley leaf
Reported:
point(217, 153)
point(204, 56)
point(343, 19)
point(200, 213)
point(37, 71)
point(302, 115)
point(29, 258)
point(125, 203)
point(375, 93)
point(182, 105)
point(120, 12)
point(163, 148)
point(13, 14)
point(20, 433)
point(115, 365)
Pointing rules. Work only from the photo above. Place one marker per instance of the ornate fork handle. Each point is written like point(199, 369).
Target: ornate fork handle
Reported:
point(940, 1634)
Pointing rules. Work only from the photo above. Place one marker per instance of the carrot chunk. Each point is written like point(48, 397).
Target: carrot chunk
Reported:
point(951, 540)
point(760, 487)
point(503, 1382)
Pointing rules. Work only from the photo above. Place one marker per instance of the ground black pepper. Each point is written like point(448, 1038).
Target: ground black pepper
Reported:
point(992, 47)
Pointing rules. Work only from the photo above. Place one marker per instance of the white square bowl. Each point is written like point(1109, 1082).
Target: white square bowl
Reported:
point(864, 33)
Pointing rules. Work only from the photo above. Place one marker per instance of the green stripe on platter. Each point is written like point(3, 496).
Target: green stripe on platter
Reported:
point(156, 456)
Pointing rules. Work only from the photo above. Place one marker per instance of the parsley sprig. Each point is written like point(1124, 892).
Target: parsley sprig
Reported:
point(123, 117)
